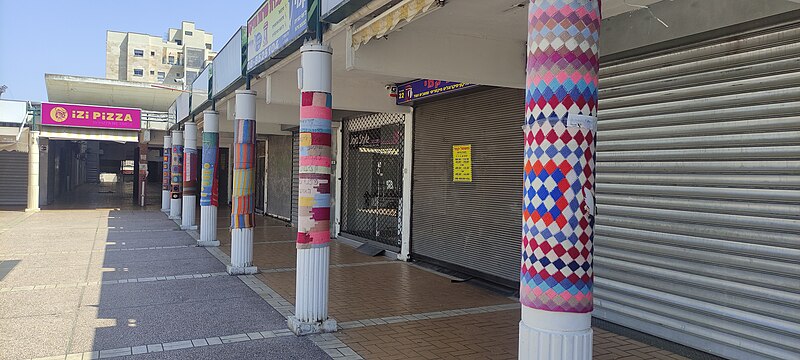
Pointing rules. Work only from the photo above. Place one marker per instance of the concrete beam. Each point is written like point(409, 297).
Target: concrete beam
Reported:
point(416, 54)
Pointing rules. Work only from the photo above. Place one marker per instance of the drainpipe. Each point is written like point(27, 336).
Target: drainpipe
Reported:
point(242, 208)
point(313, 237)
point(558, 208)
point(209, 185)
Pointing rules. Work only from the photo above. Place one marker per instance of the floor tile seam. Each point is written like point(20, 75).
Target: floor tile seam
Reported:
point(112, 282)
point(431, 315)
point(13, 224)
point(98, 251)
point(333, 266)
point(175, 345)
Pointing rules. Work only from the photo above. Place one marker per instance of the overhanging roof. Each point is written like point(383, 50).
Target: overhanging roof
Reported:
point(105, 92)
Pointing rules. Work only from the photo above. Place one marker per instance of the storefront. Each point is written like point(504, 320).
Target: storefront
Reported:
point(372, 179)
point(279, 176)
point(697, 192)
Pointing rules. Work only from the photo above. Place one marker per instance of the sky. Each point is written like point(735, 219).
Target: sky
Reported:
point(69, 36)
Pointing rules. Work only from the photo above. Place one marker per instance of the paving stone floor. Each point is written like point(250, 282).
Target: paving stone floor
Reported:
point(95, 277)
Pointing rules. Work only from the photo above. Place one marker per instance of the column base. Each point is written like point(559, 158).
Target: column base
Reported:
point(213, 243)
point(543, 344)
point(189, 227)
point(242, 270)
point(301, 328)
point(165, 211)
point(33, 210)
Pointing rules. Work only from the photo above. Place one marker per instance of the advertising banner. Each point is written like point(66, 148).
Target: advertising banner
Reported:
point(209, 185)
point(276, 24)
point(98, 117)
point(426, 88)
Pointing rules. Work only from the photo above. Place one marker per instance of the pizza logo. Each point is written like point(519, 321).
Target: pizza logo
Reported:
point(59, 114)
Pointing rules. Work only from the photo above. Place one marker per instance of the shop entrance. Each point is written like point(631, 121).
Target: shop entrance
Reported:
point(372, 178)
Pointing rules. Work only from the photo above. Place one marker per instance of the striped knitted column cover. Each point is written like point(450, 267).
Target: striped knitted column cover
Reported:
point(560, 127)
point(244, 147)
point(315, 171)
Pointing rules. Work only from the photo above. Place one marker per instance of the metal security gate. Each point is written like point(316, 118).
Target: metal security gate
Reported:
point(698, 193)
point(475, 225)
point(372, 178)
point(14, 178)
point(279, 176)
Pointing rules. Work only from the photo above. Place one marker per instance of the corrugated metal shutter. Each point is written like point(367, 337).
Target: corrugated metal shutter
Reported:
point(698, 193)
point(295, 174)
point(14, 178)
point(475, 225)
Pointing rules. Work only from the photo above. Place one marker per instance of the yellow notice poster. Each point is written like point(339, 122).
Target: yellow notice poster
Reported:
point(462, 163)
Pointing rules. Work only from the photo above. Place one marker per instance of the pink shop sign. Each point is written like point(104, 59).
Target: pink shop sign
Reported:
point(99, 117)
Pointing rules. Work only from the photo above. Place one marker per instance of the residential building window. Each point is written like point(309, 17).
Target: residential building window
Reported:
point(138, 72)
point(178, 42)
point(152, 72)
point(208, 46)
point(161, 75)
point(138, 53)
point(188, 33)
point(152, 53)
point(171, 59)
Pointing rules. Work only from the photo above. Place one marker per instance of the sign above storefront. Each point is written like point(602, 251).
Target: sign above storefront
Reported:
point(275, 25)
point(427, 88)
point(87, 116)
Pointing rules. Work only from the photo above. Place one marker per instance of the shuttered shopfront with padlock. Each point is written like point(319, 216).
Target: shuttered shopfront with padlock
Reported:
point(698, 192)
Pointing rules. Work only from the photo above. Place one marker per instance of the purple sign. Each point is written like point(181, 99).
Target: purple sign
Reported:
point(91, 116)
point(426, 88)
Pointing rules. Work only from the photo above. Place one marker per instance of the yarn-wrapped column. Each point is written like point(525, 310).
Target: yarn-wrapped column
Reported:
point(209, 184)
point(558, 209)
point(242, 207)
point(165, 173)
point(314, 194)
point(176, 173)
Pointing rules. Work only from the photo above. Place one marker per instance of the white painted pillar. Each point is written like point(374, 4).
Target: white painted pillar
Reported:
point(242, 207)
point(144, 139)
point(165, 174)
point(176, 175)
point(189, 176)
point(560, 126)
point(314, 198)
point(33, 171)
point(408, 162)
point(209, 191)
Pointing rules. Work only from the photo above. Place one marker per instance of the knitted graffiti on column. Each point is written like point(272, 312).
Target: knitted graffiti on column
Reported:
point(561, 105)
point(177, 172)
point(165, 180)
point(190, 172)
point(209, 186)
point(314, 195)
point(244, 151)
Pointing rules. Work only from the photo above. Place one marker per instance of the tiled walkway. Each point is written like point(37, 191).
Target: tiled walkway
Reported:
point(94, 277)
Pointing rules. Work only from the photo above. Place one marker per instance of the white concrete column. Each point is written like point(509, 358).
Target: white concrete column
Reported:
point(209, 185)
point(242, 207)
point(165, 174)
point(176, 175)
point(189, 176)
point(560, 125)
point(33, 171)
point(314, 197)
point(144, 139)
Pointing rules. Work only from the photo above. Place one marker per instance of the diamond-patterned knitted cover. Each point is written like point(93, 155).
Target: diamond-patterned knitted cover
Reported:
point(314, 195)
point(557, 231)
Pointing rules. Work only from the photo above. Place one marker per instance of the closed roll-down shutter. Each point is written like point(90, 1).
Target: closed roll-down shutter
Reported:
point(279, 176)
point(698, 193)
point(13, 178)
point(295, 174)
point(476, 224)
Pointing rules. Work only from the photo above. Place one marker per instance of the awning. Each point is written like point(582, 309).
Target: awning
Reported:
point(76, 133)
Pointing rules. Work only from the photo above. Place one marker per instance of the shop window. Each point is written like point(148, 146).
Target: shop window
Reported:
point(138, 72)
point(138, 53)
